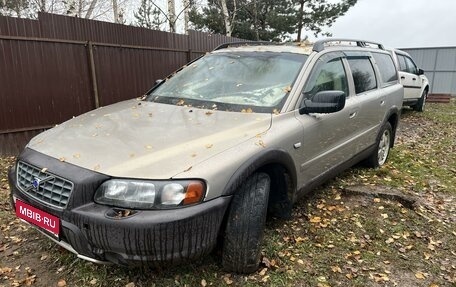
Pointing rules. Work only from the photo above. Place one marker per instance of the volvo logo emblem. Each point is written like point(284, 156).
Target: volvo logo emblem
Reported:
point(36, 182)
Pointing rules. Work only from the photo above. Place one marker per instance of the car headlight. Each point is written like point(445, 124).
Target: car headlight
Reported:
point(139, 194)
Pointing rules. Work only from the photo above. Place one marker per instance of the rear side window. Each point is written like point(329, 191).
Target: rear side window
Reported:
point(363, 74)
point(386, 66)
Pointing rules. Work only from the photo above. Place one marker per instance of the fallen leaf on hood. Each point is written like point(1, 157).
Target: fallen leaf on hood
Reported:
point(261, 143)
point(62, 159)
point(209, 145)
point(97, 167)
point(44, 169)
point(208, 113)
point(77, 155)
point(287, 89)
point(275, 112)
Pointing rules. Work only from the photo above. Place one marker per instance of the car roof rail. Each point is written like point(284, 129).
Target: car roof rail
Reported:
point(320, 44)
point(245, 43)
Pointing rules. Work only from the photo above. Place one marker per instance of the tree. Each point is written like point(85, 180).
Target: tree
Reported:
point(172, 16)
point(267, 19)
point(148, 15)
point(313, 15)
point(16, 8)
point(248, 19)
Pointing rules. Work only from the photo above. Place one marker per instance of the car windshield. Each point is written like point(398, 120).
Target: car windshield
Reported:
point(234, 81)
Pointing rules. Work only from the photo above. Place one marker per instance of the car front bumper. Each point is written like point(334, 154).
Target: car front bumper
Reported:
point(96, 233)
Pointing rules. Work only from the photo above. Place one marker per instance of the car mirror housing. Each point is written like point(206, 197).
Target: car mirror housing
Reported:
point(420, 72)
point(324, 102)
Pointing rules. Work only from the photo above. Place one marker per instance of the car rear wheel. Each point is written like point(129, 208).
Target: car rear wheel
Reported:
point(383, 146)
point(245, 226)
point(420, 105)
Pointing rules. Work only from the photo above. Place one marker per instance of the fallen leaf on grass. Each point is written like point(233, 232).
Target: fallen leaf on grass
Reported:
point(420, 275)
point(203, 283)
point(380, 277)
point(61, 283)
point(336, 269)
point(227, 280)
point(315, 219)
point(263, 271)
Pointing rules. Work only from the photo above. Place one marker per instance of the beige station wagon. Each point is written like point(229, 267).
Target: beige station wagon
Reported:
point(206, 154)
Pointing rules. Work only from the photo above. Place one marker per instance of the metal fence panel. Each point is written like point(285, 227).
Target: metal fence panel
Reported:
point(42, 84)
point(57, 67)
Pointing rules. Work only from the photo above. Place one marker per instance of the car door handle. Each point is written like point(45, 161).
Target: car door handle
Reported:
point(414, 79)
point(382, 103)
point(402, 77)
point(353, 114)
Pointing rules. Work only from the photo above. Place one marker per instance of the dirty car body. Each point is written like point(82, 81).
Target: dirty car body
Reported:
point(243, 131)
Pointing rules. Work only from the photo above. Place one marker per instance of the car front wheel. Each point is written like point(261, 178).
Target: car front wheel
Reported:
point(245, 226)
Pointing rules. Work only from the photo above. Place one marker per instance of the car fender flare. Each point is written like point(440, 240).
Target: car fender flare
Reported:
point(267, 156)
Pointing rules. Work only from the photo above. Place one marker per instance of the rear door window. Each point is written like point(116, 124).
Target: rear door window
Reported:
point(386, 66)
point(411, 67)
point(402, 64)
point(363, 74)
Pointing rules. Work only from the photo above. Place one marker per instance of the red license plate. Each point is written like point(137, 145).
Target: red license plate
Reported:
point(38, 217)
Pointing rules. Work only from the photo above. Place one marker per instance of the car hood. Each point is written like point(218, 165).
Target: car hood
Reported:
point(138, 139)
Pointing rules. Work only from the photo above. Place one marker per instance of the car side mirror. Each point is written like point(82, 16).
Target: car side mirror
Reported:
point(420, 72)
point(324, 102)
point(158, 82)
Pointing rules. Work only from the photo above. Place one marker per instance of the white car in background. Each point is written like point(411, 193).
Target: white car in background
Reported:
point(416, 84)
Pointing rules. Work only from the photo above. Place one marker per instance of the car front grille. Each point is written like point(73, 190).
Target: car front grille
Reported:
point(43, 185)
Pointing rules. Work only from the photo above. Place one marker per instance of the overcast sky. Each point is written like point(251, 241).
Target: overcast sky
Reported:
point(400, 23)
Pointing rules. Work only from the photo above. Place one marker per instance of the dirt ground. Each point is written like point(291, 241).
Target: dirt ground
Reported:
point(390, 227)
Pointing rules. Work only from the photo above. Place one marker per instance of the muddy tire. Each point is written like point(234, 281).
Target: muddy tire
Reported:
point(382, 147)
point(420, 105)
point(245, 225)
